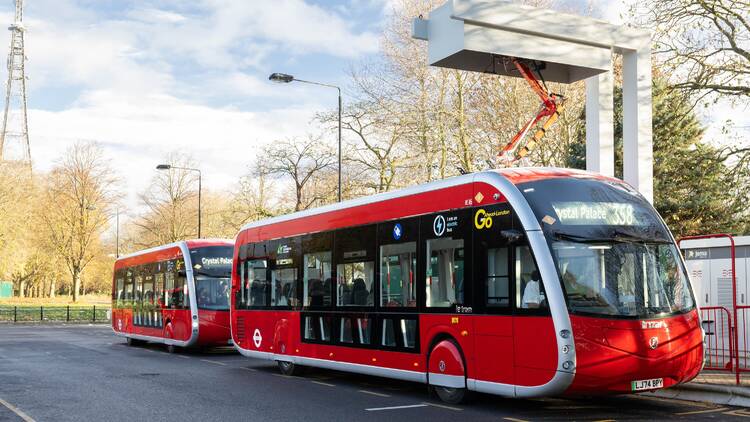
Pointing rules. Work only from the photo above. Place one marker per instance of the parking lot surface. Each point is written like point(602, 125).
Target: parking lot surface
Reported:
point(84, 372)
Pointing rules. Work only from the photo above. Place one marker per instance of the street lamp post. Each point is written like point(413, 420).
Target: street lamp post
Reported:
point(169, 167)
point(285, 79)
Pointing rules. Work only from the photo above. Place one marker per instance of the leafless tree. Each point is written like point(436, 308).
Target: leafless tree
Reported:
point(171, 203)
point(705, 42)
point(303, 162)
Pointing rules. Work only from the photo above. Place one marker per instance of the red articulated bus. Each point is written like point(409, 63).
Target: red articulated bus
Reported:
point(176, 294)
point(518, 282)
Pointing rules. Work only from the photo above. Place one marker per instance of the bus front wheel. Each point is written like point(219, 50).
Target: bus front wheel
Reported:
point(290, 369)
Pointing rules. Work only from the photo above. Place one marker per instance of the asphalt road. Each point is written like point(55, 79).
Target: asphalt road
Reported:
point(80, 373)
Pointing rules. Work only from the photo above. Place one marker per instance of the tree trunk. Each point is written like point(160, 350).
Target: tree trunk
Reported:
point(76, 284)
point(22, 288)
point(52, 288)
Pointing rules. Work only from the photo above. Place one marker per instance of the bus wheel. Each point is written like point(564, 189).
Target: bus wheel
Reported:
point(171, 348)
point(289, 368)
point(447, 373)
point(450, 395)
point(133, 342)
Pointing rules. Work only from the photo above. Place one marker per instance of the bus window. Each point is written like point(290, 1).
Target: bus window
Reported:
point(128, 287)
point(498, 279)
point(317, 328)
point(180, 293)
point(445, 272)
point(529, 286)
point(148, 295)
point(397, 275)
point(284, 263)
point(169, 285)
point(257, 286)
point(399, 332)
point(119, 287)
point(317, 267)
point(355, 269)
point(138, 300)
point(355, 330)
point(317, 279)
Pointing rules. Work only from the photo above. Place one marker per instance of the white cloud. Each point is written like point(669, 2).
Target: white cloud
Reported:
point(146, 81)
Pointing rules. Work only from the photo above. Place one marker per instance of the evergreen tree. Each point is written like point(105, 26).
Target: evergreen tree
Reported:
point(695, 190)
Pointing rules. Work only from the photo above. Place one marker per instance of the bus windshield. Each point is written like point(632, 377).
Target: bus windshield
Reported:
point(613, 253)
point(212, 269)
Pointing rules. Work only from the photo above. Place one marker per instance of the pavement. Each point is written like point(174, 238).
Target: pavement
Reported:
point(719, 388)
point(82, 373)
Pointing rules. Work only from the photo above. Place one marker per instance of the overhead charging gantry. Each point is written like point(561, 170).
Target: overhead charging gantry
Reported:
point(471, 35)
point(552, 106)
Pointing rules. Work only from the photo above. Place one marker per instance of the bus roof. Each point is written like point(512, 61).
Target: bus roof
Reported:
point(454, 192)
point(156, 250)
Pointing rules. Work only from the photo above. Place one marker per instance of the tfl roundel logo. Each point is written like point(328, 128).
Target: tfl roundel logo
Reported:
point(398, 231)
point(438, 226)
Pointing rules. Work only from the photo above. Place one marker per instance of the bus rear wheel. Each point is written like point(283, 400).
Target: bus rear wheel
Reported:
point(133, 342)
point(171, 348)
point(290, 369)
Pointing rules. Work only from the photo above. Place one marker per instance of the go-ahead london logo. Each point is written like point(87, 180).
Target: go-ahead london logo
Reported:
point(483, 219)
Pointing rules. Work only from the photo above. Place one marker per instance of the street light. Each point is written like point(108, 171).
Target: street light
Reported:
point(284, 78)
point(169, 167)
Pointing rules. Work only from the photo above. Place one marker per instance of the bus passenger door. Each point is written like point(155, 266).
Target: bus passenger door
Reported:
point(493, 343)
point(534, 332)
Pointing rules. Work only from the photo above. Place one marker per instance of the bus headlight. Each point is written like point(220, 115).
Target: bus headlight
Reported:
point(567, 365)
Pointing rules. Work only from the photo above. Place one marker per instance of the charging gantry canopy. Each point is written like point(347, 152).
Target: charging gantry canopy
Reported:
point(487, 35)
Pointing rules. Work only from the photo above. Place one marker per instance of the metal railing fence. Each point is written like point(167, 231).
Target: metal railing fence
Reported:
point(55, 313)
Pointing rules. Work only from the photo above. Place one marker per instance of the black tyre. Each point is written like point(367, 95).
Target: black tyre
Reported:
point(171, 348)
point(290, 369)
point(451, 395)
point(133, 342)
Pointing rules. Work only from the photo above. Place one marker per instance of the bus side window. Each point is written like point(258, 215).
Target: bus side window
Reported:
point(180, 285)
point(169, 290)
point(529, 287)
point(119, 287)
point(498, 279)
point(316, 277)
point(355, 266)
point(445, 255)
point(128, 287)
point(258, 285)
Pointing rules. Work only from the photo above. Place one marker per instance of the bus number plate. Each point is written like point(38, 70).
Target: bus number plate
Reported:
point(647, 384)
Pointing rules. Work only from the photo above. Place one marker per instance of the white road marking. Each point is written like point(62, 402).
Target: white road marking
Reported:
point(322, 383)
point(409, 406)
point(374, 393)
point(183, 356)
point(697, 412)
point(17, 411)
point(249, 369)
point(214, 362)
point(515, 420)
point(442, 406)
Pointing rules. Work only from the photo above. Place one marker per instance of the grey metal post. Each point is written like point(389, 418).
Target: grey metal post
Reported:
point(67, 314)
point(41, 313)
point(15, 314)
point(94, 317)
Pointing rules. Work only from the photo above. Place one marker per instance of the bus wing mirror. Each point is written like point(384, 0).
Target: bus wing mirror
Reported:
point(512, 235)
